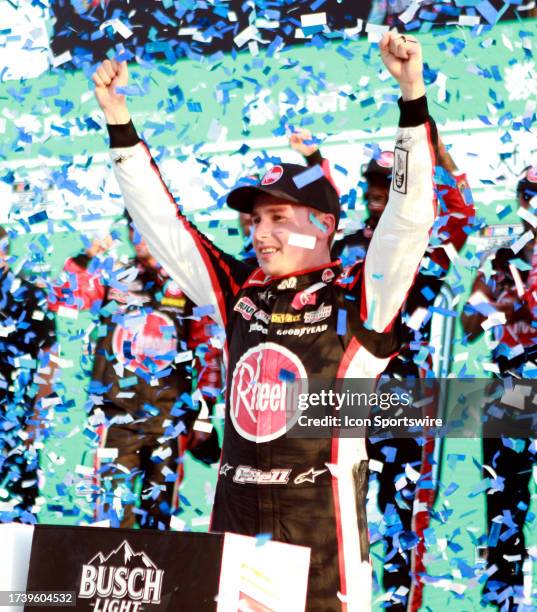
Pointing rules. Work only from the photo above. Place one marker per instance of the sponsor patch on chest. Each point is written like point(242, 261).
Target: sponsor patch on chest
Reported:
point(247, 475)
point(246, 308)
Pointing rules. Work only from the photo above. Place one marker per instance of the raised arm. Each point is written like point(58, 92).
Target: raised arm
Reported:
point(402, 234)
point(302, 142)
point(208, 276)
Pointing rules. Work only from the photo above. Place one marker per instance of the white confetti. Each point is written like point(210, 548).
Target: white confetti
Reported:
point(441, 81)
point(243, 37)
point(67, 313)
point(177, 524)
point(118, 26)
point(313, 19)
point(375, 32)
point(469, 20)
point(527, 215)
point(375, 466)
point(412, 474)
point(63, 58)
point(496, 318)
point(203, 426)
point(107, 453)
point(408, 14)
point(520, 288)
point(416, 318)
point(522, 242)
point(184, 356)
point(516, 397)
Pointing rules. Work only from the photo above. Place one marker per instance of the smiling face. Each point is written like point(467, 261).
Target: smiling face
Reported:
point(286, 240)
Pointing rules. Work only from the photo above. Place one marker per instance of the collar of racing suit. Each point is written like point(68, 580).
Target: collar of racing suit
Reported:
point(296, 281)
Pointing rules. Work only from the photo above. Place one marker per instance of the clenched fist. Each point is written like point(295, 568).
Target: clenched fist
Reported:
point(401, 55)
point(109, 76)
point(298, 141)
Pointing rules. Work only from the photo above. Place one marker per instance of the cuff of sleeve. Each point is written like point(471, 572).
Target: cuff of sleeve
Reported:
point(123, 135)
point(413, 112)
point(314, 159)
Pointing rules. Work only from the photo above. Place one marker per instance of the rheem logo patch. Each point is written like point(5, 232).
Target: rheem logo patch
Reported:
point(272, 176)
point(385, 159)
point(147, 342)
point(265, 387)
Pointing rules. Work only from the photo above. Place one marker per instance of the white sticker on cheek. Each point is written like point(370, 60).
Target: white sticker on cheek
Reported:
point(302, 240)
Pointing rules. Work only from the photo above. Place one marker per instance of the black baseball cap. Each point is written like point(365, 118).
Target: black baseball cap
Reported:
point(527, 185)
point(381, 165)
point(307, 186)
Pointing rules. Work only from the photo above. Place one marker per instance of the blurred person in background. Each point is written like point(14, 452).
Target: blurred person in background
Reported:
point(27, 367)
point(154, 370)
point(504, 300)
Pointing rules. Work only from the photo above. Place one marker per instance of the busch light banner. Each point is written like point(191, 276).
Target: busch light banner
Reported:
point(127, 570)
point(96, 569)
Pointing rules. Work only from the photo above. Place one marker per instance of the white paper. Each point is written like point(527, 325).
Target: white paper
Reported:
point(515, 397)
point(409, 13)
point(203, 426)
point(270, 576)
point(302, 240)
point(441, 80)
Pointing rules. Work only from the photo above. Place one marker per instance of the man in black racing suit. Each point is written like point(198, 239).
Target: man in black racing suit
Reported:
point(149, 346)
point(296, 317)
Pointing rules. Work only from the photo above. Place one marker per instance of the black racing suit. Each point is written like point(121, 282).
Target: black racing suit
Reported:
point(26, 329)
point(302, 491)
point(136, 373)
point(140, 393)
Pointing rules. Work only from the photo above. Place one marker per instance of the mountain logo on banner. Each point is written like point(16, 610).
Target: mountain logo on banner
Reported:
point(122, 580)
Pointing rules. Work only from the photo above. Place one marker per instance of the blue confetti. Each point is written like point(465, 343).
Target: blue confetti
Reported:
point(308, 176)
point(341, 322)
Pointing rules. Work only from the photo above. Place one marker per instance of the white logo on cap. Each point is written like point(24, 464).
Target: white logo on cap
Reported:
point(272, 176)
